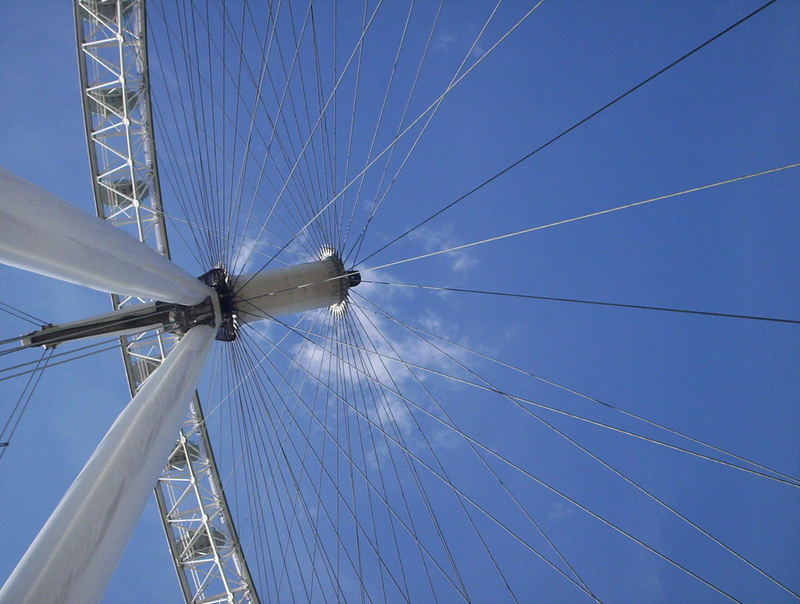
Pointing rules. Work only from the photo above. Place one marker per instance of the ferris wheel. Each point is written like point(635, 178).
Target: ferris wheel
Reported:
point(422, 301)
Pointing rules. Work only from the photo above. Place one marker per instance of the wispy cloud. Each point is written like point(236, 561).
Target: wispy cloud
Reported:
point(378, 358)
point(431, 239)
point(561, 510)
point(444, 41)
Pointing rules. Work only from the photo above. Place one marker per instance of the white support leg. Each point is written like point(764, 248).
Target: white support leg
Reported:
point(73, 556)
point(42, 233)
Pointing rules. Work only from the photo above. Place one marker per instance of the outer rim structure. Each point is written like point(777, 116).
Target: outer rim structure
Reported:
point(112, 60)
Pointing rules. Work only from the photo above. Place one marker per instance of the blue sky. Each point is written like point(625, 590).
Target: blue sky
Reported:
point(730, 110)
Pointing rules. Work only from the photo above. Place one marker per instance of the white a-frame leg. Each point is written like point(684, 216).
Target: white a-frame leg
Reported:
point(74, 554)
point(44, 234)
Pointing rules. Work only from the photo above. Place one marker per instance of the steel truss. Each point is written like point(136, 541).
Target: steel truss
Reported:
point(112, 59)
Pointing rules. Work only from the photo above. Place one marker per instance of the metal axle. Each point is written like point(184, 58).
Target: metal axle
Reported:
point(274, 293)
point(142, 317)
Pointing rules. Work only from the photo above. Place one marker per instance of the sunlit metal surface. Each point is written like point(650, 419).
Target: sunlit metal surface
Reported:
point(112, 60)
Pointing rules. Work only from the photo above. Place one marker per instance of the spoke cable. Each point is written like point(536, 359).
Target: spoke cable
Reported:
point(568, 130)
point(30, 387)
point(476, 452)
point(531, 229)
point(21, 314)
point(594, 302)
point(436, 474)
point(585, 216)
point(790, 482)
point(410, 126)
point(539, 481)
point(620, 474)
point(378, 310)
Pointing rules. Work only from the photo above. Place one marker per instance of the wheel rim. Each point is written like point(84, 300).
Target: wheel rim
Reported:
point(559, 265)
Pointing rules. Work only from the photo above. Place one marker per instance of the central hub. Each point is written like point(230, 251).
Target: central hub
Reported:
point(278, 292)
point(217, 278)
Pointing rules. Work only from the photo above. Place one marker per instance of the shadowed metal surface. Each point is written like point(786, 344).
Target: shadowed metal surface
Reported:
point(73, 555)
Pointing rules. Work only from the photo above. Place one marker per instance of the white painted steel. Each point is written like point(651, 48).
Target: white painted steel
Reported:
point(42, 233)
point(74, 554)
point(113, 63)
point(290, 289)
point(117, 317)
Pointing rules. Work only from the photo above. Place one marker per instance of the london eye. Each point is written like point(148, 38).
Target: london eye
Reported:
point(415, 301)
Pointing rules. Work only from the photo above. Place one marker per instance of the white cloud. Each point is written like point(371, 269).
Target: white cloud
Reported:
point(444, 41)
point(369, 365)
point(432, 239)
point(561, 510)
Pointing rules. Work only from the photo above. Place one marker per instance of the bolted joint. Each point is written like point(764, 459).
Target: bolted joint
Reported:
point(225, 312)
point(186, 317)
point(126, 321)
